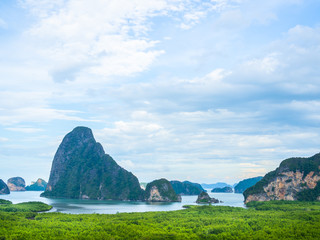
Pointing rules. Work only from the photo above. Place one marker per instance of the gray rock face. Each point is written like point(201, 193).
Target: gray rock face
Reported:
point(16, 184)
point(4, 188)
point(81, 169)
point(205, 198)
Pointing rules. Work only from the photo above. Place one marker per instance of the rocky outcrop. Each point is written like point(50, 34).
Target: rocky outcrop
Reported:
point(39, 185)
point(161, 191)
point(3, 188)
point(222, 190)
point(186, 188)
point(294, 179)
point(245, 184)
point(81, 169)
point(16, 184)
point(205, 198)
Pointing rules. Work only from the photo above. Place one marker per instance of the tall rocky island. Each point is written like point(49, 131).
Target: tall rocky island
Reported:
point(295, 179)
point(81, 170)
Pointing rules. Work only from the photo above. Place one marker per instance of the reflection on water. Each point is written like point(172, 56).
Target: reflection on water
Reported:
point(76, 206)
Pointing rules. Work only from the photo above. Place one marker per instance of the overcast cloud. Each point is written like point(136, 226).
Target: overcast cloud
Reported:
point(206, 91)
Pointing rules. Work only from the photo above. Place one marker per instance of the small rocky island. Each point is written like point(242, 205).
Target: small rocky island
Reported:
point(161, 191)
point(16, 184)
point(205, 198)
point(4, 188)
point(222, 190)
point(295, 179)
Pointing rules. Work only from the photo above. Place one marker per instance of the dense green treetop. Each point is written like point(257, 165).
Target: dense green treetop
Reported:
point(261, 220)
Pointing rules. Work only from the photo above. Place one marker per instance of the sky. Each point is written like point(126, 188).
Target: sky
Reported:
point(200, 90)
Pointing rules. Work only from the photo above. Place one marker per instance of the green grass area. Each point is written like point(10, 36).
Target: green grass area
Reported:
point(262, 220)
point(25, 207)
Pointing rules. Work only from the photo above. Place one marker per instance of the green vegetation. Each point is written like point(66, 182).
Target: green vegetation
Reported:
point(309, 194)
point(245, 184)
point(7, 206)
point(186, 188)
point(305, 165)
point(263, 220)
point(3, 201)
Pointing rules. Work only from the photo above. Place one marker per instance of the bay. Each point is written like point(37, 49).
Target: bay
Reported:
point(77, 206)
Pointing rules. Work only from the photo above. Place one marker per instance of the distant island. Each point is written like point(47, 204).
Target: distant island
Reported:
point(215, 185)
point(186, 188)
point(39, 185)
point(222, 190)
point(246, 183)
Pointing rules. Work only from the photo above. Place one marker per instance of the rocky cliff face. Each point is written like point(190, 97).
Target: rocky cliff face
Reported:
point(16, 184)
point(205, 198)
point(81, 169)
point(295, 179)
point(39, 185)
point(186, 188)
point(4, 188)
point(161, 191)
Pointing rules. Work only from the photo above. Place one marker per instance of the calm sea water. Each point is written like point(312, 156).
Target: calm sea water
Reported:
point(76, 206)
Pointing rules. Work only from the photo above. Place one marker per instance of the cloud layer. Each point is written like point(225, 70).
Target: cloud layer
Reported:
point(207, 91)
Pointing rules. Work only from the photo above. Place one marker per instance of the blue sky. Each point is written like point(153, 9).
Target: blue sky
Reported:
point(205, 91)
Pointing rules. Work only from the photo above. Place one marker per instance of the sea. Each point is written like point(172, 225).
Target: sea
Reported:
point(77, 206)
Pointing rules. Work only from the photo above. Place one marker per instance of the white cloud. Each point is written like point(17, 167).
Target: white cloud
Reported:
point(25, 129)
point(106, 38)
point(216, 97)
point(36, 115)
point(266, 65)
